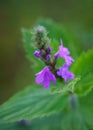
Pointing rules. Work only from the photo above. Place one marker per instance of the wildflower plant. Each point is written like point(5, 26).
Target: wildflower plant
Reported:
point(51, 72)
point(61, 96)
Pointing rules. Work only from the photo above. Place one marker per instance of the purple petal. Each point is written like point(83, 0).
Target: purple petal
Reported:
point(45, 77)
point(65, 73)
point(46, 81)
point(52, 77)
point(59, 72)
point(69, 60)
point(48, 56)
point(62, 69)
point(63, 51)
point(49, 49)
point(71, 76)
point(39, 79)
point(40, 76)
point(37, 54)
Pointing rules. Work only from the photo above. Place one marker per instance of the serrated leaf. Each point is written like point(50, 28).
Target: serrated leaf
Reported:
point(32, 103)
point(45, 123)
point(64, 121)
point(20, 107)
point(84, 67)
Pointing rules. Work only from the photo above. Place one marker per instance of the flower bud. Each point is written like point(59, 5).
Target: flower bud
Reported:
point(48, 56)
point(40, 32)
point(37, 54)
point(40, 37)
point(49, 49)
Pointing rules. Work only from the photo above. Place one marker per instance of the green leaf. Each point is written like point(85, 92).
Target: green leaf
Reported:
point(32, 103)
point(84, 67)
point(71, 119)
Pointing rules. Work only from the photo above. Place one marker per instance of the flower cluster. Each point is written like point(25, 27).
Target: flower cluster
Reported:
point(51, 72)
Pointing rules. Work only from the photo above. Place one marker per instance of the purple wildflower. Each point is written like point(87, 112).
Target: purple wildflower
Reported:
point(68, 60)
point(44, 77)
point(65, 73)
point(64, 53)
point(37, 54)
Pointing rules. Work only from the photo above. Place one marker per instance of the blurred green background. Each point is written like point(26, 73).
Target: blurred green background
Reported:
point(15, 71)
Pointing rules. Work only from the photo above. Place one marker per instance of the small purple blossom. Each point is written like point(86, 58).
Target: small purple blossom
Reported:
point(68, 60)
point(49, 49)
point(37, 54)
point(45, 77)
point(64, 53)
point(48, 56)
point(65, 73)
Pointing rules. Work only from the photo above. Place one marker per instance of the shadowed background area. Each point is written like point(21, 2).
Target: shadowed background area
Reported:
point(15, 69)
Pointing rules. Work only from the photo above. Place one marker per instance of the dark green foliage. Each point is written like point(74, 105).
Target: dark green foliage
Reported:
point(31, 103)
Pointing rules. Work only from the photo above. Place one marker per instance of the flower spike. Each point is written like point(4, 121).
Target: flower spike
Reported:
point(51, 72)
